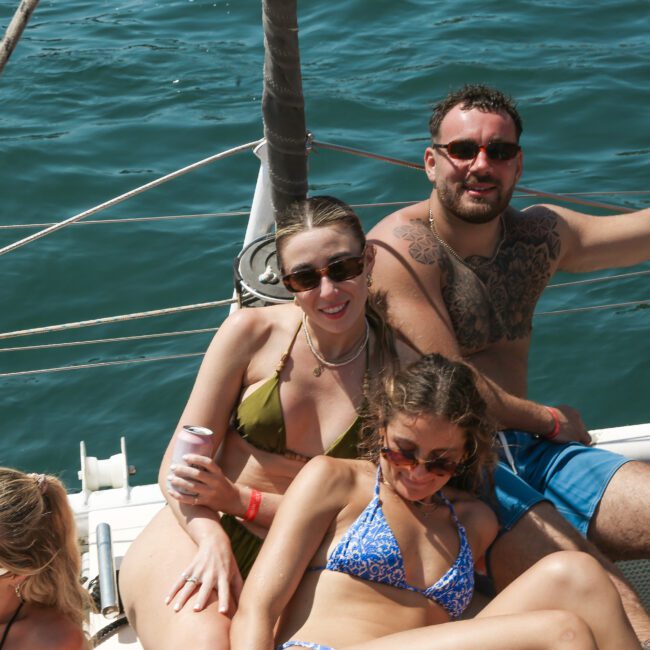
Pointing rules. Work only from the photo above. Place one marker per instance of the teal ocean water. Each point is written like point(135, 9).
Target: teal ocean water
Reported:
point(100, 97)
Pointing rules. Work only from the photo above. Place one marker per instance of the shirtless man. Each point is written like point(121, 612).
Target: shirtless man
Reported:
point(463, 271)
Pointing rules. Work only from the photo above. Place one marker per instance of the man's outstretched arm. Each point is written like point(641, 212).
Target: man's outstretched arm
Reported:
point(591, 243)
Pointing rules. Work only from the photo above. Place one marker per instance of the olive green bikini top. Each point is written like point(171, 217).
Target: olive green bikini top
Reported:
point(260, 421)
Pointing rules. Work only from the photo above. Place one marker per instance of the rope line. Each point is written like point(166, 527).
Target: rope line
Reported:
point(603, 278)
point(95, 222)
point(100, 364)
point(569, 197)
point(128, 195)
point(575, 310)
point(520, 188)
point(171, 217)
point(576, 201)
point(222, 303)
point(241, 213)
point(117, 319)
point(366, 154)
point(196, 354)
point(119, 339)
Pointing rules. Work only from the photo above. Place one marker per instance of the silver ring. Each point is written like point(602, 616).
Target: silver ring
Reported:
point(192, 579)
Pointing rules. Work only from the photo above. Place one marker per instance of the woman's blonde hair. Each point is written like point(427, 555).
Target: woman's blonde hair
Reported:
point(38, 539)
point(435, 385)
point(326, 212)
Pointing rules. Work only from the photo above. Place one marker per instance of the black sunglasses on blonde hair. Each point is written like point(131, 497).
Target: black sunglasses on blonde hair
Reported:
point(468, 149)
point(338, 271)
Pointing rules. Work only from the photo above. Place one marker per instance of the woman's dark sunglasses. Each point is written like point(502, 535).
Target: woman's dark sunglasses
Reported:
point(345, 269)
point(468, 149)
point(439, 465)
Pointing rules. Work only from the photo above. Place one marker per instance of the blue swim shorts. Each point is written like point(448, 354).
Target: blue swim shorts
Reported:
point(303, 644)
point(571, 476)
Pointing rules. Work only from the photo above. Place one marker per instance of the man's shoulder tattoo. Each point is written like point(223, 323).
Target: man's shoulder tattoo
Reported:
point(422, 245)
point(536, 230)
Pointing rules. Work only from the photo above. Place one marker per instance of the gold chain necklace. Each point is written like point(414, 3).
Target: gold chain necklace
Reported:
point(342, 361)
point(442, 242)
point(428, 507)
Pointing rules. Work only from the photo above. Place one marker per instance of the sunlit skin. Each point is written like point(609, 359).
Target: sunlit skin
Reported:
point(476, 191)
point(428, 436)
point(186, 538)
point(35, 626)
point(288, 595)
point(331, 307)
point(480, 308)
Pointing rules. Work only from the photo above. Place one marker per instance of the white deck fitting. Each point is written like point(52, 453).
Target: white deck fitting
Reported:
point(127, 513)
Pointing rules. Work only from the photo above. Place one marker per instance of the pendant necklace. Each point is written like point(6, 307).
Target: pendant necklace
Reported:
point(442, 242)
point(342, 361)
point(427, 507)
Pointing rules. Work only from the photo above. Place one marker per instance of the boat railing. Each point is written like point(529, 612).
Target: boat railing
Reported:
point(49, 228)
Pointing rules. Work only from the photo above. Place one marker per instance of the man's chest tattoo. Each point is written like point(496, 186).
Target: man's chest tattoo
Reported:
point(494, 300)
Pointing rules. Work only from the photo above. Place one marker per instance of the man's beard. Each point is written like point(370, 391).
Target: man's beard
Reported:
point(475, 211)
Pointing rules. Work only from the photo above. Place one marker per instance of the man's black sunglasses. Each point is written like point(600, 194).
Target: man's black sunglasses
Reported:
point(468, 149)
point(338, 271)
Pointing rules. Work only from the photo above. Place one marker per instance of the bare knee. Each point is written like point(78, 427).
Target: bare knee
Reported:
point(540, 532)
point(575, 571)
point(567, 631)
point(577, 575)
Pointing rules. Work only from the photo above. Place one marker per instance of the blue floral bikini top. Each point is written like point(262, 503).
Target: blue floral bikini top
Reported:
point(369, 551)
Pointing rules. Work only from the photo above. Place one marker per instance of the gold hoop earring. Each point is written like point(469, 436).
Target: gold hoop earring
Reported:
point(369, 280)
point(17, 589)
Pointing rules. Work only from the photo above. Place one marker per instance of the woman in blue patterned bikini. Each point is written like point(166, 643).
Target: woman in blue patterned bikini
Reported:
point(354, 555)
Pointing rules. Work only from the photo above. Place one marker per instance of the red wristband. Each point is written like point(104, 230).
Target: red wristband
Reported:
point(556, 429)
point(253, 505)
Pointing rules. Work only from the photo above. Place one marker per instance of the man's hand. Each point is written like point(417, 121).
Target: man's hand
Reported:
point(572, 428)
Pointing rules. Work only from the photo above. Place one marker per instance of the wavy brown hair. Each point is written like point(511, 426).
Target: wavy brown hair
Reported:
point(435, 385)
point(326, 212)
point(38, 539)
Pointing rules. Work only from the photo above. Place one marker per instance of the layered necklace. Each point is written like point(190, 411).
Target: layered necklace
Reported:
point(442, 242)
point(323, 363)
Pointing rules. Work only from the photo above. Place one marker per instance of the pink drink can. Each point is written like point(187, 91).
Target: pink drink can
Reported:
point(191, 439)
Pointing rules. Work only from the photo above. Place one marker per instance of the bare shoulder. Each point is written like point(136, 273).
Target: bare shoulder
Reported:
point(334, 472)
point(51, 630)
point(248, 329)
point(332, 479)
point(405, 234)
point(383, 229)
point(545, 215)
point(406, 253)
point(259, 320)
